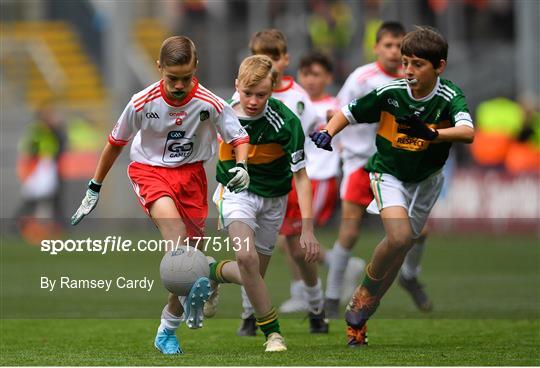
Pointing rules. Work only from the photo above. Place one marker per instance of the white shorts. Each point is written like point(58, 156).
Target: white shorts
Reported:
point(417, 198)
point(263, 215)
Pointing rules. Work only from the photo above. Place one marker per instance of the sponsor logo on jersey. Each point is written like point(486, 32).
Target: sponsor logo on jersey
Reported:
point(300, 106)
point(152, 115)
point(204, 115)
point(177, 147)
point(179, 117)
point(393, 102)
point(297, 156)
point(403, 141)
point(417, 108)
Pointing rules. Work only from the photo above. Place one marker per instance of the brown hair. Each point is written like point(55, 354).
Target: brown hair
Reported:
point(255, 69)
point(426, 43)
point(316, 57)
point(177, 50)
point(269, 42)
point(395, 29)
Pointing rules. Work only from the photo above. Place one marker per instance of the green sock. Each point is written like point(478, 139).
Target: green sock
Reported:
point(269, 323)
point(371, 284)
point(215, 271)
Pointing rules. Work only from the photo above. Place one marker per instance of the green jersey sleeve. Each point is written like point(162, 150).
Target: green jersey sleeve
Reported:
point(459, 111)
point(366, 109)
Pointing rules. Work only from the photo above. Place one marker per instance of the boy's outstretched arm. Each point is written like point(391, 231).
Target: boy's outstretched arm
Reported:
point(323, 138)
point(106, 160)
point(461, 133)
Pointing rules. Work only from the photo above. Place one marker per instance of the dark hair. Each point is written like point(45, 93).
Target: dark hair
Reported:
point(269, 42)
point(316, 57)
point(426, 43)
point(177, 50)
point(396, 29)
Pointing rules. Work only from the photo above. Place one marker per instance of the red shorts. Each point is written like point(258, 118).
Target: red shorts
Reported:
point(325, 193)
point(185, 185)
point(355, 188)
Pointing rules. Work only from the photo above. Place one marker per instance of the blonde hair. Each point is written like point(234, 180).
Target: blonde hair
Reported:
point(255, 69)
point(271, 42)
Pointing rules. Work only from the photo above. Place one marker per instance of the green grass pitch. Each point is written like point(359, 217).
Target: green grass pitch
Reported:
point(485, 290)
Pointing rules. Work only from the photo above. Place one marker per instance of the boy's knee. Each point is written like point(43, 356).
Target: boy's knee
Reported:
point(401, 242)
point(349, 234)
point(248, 261)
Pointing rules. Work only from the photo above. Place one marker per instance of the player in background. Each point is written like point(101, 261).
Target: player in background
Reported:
point(253, 217)
point(272, 43)
point(357, 144)
point(419, 118)
point(174, 124)
point(323, 167)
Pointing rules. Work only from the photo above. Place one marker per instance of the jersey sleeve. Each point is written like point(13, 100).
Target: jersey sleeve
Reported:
point(459, 111)
point(309, 117)
point(294, 144)
point(229, 127)
point(366, 109)
point(126, 127)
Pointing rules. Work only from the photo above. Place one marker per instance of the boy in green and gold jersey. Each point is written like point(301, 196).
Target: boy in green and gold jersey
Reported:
point(419, 118)
point(253, 217)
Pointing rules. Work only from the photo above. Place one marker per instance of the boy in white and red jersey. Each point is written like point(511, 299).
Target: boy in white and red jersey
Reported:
point(357, 145)
point(272, 43)
point(174, 124)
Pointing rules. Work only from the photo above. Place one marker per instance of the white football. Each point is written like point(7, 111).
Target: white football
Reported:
point(180, 268)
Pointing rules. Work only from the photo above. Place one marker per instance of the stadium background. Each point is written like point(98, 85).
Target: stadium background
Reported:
point(91, 56)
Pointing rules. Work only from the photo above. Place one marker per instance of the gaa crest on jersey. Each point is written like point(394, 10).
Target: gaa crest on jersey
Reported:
point(204, 115)
point(300, 107)
point(177, 147)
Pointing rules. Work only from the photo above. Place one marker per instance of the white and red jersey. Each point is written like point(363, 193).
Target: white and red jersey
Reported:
point(358, 141)
point(322, 164)
point(171, 133)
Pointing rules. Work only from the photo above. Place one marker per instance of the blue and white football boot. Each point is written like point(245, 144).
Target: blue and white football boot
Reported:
point(194, 303)
point(167, 343)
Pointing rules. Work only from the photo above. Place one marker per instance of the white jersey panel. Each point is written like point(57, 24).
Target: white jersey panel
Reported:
point(322, 164)
point(358, 141)
point(169, 133)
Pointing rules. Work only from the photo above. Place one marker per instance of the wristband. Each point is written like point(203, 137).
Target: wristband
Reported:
point(94, 185)
point(242, 164)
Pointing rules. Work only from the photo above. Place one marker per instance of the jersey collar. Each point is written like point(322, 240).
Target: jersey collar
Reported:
point(235, 102)
point(429, 96)
point(397, 75)
point(287, 81)
point(186, 99)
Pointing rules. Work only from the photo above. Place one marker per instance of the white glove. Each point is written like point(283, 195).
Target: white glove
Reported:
point(88, 203)
point(240, 180)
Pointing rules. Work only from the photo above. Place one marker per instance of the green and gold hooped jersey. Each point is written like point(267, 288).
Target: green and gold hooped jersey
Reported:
point(276, 150)
point(407, 158)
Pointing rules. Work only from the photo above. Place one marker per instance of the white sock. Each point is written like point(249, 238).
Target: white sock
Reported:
point(168, 320)
point(314, 296)
point(297, 289)
point(246, 305)
point(411, 265)
point(334, 283)
point(327, 258)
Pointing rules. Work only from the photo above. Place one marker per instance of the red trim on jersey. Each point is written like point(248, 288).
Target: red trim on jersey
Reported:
point(239, 141)
point(387, 73)
point(141, 98)
point(116, 142)
point(149, 98)
point(211, 94)
point(209, 97)
point(177, 103)
point(287, 79)
point(367, 73)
